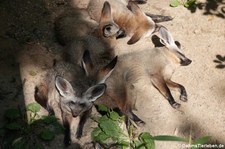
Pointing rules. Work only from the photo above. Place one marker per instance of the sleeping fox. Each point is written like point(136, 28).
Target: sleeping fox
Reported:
point(153, 65)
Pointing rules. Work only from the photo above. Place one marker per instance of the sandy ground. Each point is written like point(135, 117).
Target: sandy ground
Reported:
point(200, 32)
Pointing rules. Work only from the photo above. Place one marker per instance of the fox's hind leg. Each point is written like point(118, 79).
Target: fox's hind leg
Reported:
point(180, 88)
point(160, 84)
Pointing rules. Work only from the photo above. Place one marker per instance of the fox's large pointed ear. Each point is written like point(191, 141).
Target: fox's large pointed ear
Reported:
point(63, 86)
point(95, 92)
point(87, 63)
point(106, 71)
point(106, 12)
point(136, 37)
point(134, 8)
point(165, 37)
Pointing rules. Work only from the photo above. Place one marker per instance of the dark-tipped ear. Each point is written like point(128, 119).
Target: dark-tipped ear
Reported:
point(95, 92)
point(106, 71)
point(136, 36)
point(87, 62)
point(63, 86)
point(134, 8)
point(106, 12)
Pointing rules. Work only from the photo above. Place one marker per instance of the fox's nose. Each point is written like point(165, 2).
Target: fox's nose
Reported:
point(121, 34)
point(75, 114)
point(185, 62)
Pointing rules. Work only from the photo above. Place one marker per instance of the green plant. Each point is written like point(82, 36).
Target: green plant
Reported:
point(111, 131)
point(185, 3)
point(20, 133)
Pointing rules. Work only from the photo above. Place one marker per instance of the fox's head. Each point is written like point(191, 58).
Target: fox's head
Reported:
point(146, 26)
point(173, 46)
point(107, 27)
point(76, 100)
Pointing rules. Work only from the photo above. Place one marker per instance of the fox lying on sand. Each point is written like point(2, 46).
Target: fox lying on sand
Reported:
point(155, 66)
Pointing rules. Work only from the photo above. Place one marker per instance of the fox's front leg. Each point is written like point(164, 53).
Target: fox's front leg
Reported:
point(67, 124)
point(82, 121)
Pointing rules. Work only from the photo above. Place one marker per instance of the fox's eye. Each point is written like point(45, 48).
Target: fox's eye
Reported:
point(72, 102)
point(108, 28)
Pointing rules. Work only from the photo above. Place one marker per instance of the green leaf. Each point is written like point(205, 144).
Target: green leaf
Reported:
point(110, 128)
point(100, 136)
point(202, 140)
point(174, 3)
point(147, 139)
point(190, 3)
point(49, 119)
point(34, 107)
point(169, 138)
point(95, 133)
point(114, 116)
point(139, 144)
point(124, 143)
point(47, 135)
point(102, 108)
point(12, 113)
point(14, 126)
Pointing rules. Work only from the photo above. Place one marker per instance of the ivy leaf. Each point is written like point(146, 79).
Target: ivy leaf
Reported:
point(34, 107)
point(98, 135)
point(110, 128)
point(139, 144)
point(114, 116)
point(47, 135)
point(190, 3)
point(95, 133)
point(174, 3)
point(148, 140)
point(12, 113)
point(102, 108)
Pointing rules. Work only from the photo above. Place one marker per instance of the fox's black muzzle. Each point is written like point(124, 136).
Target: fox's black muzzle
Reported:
point(185, 62)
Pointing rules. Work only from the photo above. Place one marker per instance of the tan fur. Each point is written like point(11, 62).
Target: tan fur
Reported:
point(75, 23)
point(132, 22)
point(135, 66)
point(152, 66)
